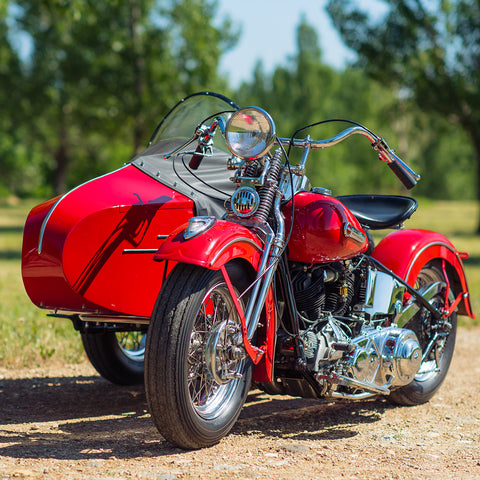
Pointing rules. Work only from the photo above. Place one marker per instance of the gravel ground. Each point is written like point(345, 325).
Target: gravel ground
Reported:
point(65, 422)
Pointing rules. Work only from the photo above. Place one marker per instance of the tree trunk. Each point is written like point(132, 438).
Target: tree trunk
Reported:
point(61, 162)
point(139, 78)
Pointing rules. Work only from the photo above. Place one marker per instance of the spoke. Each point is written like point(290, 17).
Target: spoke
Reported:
point(197, 392)
point(208, 396)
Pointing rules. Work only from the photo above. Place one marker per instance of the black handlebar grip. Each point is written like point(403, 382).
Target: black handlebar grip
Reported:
point(196, 160)
point(404, 175)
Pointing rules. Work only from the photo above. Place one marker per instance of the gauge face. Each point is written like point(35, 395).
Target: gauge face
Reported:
point(250, 133)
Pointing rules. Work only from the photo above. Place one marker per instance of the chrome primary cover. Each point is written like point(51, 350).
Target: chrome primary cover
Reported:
point(387, 357)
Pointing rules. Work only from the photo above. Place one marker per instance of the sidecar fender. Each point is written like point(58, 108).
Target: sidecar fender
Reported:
point(222, 243)
point(219, 245)
point(406, 252)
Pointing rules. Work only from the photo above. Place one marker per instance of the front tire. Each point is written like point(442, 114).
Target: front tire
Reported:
point(434, 368)
point(196, 374)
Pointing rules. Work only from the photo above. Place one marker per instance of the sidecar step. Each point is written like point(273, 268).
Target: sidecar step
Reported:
point(92, 318)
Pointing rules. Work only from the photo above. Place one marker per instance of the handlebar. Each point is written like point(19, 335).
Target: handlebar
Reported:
point(404, 173)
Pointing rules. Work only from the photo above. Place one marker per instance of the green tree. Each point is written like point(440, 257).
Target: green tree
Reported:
point(17, 171)
point(101, 72)
point(306, 90)
point(429, 50)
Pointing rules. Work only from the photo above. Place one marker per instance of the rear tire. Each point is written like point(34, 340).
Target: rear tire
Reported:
point(433, 370)
point(117, 356)
point(196, 382)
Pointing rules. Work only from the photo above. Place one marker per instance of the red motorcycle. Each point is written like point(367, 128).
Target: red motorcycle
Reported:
point(281, 286)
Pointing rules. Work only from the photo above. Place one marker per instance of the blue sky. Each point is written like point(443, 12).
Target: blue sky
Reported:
point(268, 33)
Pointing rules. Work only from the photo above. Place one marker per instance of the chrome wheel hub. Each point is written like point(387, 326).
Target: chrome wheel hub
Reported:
point(223, 352)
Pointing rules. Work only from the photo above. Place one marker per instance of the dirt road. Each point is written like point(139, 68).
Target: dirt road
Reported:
point(68, 423)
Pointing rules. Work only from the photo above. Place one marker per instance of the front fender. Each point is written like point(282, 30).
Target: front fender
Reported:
point(406, 252)
point(223, 242)
point(220, 244)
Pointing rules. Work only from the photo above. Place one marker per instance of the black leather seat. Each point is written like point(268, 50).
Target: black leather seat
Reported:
point(380, 211)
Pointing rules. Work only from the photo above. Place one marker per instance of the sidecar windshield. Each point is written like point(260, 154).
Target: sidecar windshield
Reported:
point(180, 123)
point(210, 185)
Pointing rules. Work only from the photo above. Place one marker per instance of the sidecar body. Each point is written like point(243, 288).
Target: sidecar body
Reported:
point(89, 253)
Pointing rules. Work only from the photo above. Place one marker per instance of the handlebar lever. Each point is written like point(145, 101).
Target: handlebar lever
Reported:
point(403, 172)
point(205, 145)
point(204, 135)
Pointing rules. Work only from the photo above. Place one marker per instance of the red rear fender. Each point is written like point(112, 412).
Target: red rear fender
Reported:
point(406, 252)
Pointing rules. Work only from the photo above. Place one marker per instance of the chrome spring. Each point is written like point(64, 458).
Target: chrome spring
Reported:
point(267, 191)
point(251, 170)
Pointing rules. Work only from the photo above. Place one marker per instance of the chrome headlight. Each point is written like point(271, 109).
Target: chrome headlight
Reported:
point(249, 133)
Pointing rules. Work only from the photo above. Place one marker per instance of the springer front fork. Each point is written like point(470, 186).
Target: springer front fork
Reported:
point(272, 250)
point(259, 289)
point(271, 193)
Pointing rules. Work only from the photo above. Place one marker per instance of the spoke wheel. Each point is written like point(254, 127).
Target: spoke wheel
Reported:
point(132, 344)
point(117, 356)
point(197, 374)
point(437, 339)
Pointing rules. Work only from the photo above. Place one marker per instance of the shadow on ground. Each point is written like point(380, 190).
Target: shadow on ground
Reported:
point(88, 418)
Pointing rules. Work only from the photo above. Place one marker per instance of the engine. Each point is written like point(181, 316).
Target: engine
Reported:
point(324, 288)
point(375, 360)
point(351, 342)
point(352, 288)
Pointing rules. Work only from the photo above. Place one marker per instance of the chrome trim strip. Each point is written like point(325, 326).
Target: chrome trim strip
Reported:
point(44, 225)
point(49, 214)
point(161, 237)
point(236, 240)
point(139, 250)
point(433, 244)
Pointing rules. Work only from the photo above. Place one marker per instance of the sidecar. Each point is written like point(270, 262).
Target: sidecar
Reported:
point(88, 255)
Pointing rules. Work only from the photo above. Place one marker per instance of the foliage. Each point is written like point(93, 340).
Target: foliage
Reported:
point(428, 50)
point(306, 90)
point(100, 72)
point(16, 168)
point(96, 77)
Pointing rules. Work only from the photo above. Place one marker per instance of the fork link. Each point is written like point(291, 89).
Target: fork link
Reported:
point(267, 191)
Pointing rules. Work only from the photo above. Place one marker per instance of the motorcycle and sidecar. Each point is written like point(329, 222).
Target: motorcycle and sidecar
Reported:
point(209, 263)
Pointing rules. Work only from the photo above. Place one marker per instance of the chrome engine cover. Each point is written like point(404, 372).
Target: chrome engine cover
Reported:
point(389, 356)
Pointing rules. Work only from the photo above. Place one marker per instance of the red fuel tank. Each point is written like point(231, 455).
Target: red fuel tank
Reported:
point(324, 230)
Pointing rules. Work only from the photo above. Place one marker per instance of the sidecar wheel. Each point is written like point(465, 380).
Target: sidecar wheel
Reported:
point(117, 357)
point(196, 377)
point(433, 370)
